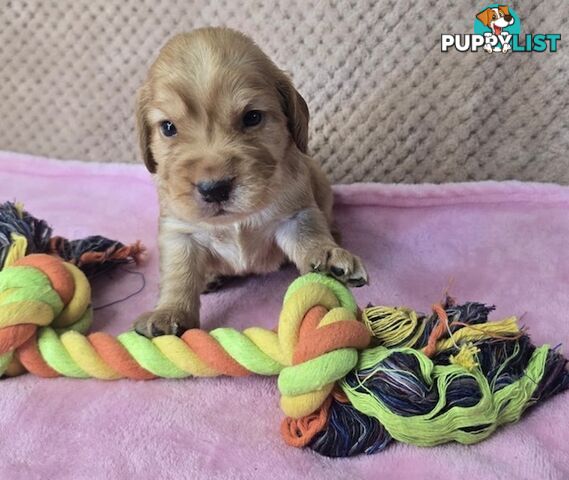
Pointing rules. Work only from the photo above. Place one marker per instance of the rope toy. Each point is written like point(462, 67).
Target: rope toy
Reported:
point(347, 386)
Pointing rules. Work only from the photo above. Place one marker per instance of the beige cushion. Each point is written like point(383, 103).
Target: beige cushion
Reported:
point(386, 104)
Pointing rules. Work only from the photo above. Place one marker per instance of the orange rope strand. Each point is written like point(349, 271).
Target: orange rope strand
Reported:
point(300, 432)
point(441, 328)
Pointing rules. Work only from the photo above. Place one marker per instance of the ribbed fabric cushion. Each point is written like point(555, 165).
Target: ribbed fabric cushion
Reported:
point(387, 105)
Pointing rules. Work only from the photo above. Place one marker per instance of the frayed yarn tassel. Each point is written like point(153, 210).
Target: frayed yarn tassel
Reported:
point(349, 432)
point(22, 234)
point(463, 378)
point(96, 254)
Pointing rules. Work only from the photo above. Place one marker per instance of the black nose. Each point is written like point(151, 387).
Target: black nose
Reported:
point(215, 190)
point(508, 18)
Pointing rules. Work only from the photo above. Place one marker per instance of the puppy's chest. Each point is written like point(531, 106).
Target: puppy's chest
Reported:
point(244, 249)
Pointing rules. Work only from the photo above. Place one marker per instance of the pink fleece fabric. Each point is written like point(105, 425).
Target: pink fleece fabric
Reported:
point(502, 243)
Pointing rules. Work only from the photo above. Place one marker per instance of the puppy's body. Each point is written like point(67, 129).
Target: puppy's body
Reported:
point(225, 132)
point(251, 245)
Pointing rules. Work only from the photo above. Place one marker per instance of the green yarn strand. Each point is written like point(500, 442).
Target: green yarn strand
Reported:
point(5, 360)
point(515, 398)
point(462, 424)
point(344, 295)
point(315, 373)
point(149, 357)
point(26, 283)
point(245, 352)
point(82, 325)
point(56, 356)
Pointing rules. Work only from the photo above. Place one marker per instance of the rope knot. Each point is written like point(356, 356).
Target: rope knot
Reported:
point(38, 291)
point(319, 336)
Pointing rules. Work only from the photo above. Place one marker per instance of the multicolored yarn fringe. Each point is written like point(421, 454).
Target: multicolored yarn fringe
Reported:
point(23, 234)
point(347, 386)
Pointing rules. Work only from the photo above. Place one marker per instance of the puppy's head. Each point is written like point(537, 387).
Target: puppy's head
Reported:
point(496, 18)
point(219, 124)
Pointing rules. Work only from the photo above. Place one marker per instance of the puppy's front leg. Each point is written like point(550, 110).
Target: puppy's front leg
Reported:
point(306, 239)
point(182, 279)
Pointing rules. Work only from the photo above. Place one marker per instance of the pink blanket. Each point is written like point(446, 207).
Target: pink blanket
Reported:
point(502, 243)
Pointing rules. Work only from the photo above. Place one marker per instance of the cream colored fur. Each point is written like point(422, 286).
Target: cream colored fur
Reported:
point(280, 208)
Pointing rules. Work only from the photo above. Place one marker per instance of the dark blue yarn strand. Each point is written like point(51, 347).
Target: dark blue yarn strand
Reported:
point(37, 232)
point(39, 235)
point(350, 433)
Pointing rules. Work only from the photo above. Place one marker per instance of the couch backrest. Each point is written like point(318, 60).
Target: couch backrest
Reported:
point(386, 104)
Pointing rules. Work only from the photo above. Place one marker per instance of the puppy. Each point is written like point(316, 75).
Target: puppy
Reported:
point(225, 134)
point(496, 19)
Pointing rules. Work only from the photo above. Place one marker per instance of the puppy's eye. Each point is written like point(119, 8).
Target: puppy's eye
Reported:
point(252, 118)
point(168, 128)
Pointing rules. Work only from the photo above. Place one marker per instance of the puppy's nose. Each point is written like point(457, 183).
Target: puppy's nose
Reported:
point(215, 190)
point(508, 18)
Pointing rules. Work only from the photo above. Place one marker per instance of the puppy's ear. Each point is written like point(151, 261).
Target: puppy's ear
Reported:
point(485, 16)
point(143, 128)
point(504, 9)
point(296, 111)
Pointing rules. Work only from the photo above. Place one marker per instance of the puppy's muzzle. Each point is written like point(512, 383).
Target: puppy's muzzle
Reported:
point(215, 191)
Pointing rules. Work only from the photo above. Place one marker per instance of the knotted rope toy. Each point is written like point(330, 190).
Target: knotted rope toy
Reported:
point(425, 379)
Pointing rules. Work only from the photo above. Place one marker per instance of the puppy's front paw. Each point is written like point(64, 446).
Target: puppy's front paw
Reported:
point(340, 264)
point(165, 321)
point(506, 48)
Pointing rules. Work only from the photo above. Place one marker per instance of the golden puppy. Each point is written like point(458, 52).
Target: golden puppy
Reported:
point(225, 133)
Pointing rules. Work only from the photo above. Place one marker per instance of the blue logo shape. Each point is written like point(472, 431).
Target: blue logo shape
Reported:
point(497, 19)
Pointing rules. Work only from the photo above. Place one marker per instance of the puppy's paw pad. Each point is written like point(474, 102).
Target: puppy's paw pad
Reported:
point(164, 322)
point(343, 266)
point(336, 271)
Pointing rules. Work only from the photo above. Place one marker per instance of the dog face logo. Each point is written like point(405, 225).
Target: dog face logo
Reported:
point(497, 24)
point(496, 19)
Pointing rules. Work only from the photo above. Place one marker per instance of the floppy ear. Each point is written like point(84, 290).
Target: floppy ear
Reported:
point(143, 128)
point(485, 16)
point(504, 9)
point(296, 111)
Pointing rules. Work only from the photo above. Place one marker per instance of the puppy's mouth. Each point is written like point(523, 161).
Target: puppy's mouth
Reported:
point(239, 204)
point(221, 212)
point(211, 207)
point(497, 30)
point(214, 210)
